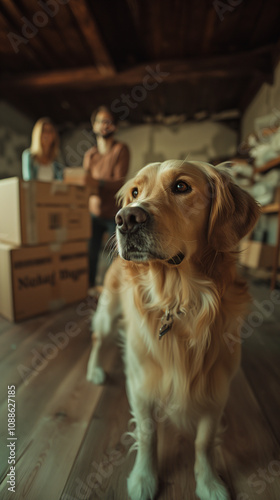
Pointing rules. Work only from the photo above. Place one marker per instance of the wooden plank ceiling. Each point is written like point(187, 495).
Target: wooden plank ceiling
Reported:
point(147, 59)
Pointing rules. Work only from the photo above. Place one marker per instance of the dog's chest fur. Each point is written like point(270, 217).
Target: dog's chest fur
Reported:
point(174, 371)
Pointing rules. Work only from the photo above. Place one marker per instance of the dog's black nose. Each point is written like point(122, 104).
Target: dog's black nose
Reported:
point(129, 218)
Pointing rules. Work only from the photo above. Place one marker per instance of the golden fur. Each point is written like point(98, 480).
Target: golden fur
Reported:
point(194, 211)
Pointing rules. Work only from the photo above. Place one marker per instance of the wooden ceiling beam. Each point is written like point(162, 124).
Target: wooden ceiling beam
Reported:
point(245, 65)
point(91, 34)
point(209, 30)
point(89, 78)
point(46, 36)
point(7, 50)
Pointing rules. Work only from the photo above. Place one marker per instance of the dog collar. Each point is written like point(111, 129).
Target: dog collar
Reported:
point(177, 259)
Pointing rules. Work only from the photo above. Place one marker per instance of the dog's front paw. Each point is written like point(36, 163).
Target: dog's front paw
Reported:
point(211, 488)
point(96, 375)
point(142, 485)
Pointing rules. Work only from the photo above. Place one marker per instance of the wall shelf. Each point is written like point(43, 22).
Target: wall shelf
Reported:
point(268, 166)
point(274, 208)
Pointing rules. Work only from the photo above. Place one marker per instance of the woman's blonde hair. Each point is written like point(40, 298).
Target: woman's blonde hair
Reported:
point(36, 146)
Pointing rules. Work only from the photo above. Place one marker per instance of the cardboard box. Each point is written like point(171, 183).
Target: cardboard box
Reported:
point(75, 175)
point(37, 212)
point(79, 177)
point(38, 279)
point(255, 254)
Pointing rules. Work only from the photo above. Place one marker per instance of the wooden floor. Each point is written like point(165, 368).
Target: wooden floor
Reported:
point(71, 436)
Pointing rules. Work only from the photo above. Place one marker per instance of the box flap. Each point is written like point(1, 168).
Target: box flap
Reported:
point(6, 289)
point(10, 224)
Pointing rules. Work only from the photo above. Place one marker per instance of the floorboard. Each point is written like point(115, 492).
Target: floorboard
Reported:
point(102, 463)
point(249, 445)
point(72, 436)
point(260, 361)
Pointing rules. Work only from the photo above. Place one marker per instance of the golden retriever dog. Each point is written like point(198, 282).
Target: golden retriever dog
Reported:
point(176, 286)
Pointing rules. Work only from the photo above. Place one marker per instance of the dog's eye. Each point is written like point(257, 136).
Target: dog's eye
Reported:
point(134, 192)
point(181, 187)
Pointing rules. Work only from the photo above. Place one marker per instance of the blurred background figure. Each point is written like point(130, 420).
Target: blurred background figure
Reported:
point(40, 160)
point(107, 166)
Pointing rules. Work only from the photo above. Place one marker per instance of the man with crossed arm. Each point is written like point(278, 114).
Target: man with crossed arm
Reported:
point(106, 165)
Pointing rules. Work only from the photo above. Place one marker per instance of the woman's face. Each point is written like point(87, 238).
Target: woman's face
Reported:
point(48, 135)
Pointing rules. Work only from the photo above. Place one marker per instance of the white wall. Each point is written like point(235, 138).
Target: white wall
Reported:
point(148, 143)
point(264, 110)
point(15, 134)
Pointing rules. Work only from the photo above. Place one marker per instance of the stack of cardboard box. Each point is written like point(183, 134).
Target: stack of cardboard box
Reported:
point(44, 231)
point(255, 254)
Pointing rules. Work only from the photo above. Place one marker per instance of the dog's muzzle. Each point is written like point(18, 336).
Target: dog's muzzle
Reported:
point(133, 223)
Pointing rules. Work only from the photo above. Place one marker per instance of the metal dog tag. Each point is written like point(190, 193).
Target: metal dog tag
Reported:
point(167, 321)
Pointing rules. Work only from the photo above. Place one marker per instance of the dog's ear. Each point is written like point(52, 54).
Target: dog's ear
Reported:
point(233, 212)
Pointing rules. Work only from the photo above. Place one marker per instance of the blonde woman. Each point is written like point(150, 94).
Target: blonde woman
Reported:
point(40, 160)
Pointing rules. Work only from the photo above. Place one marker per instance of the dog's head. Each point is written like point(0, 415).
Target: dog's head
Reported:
point(174, 210)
